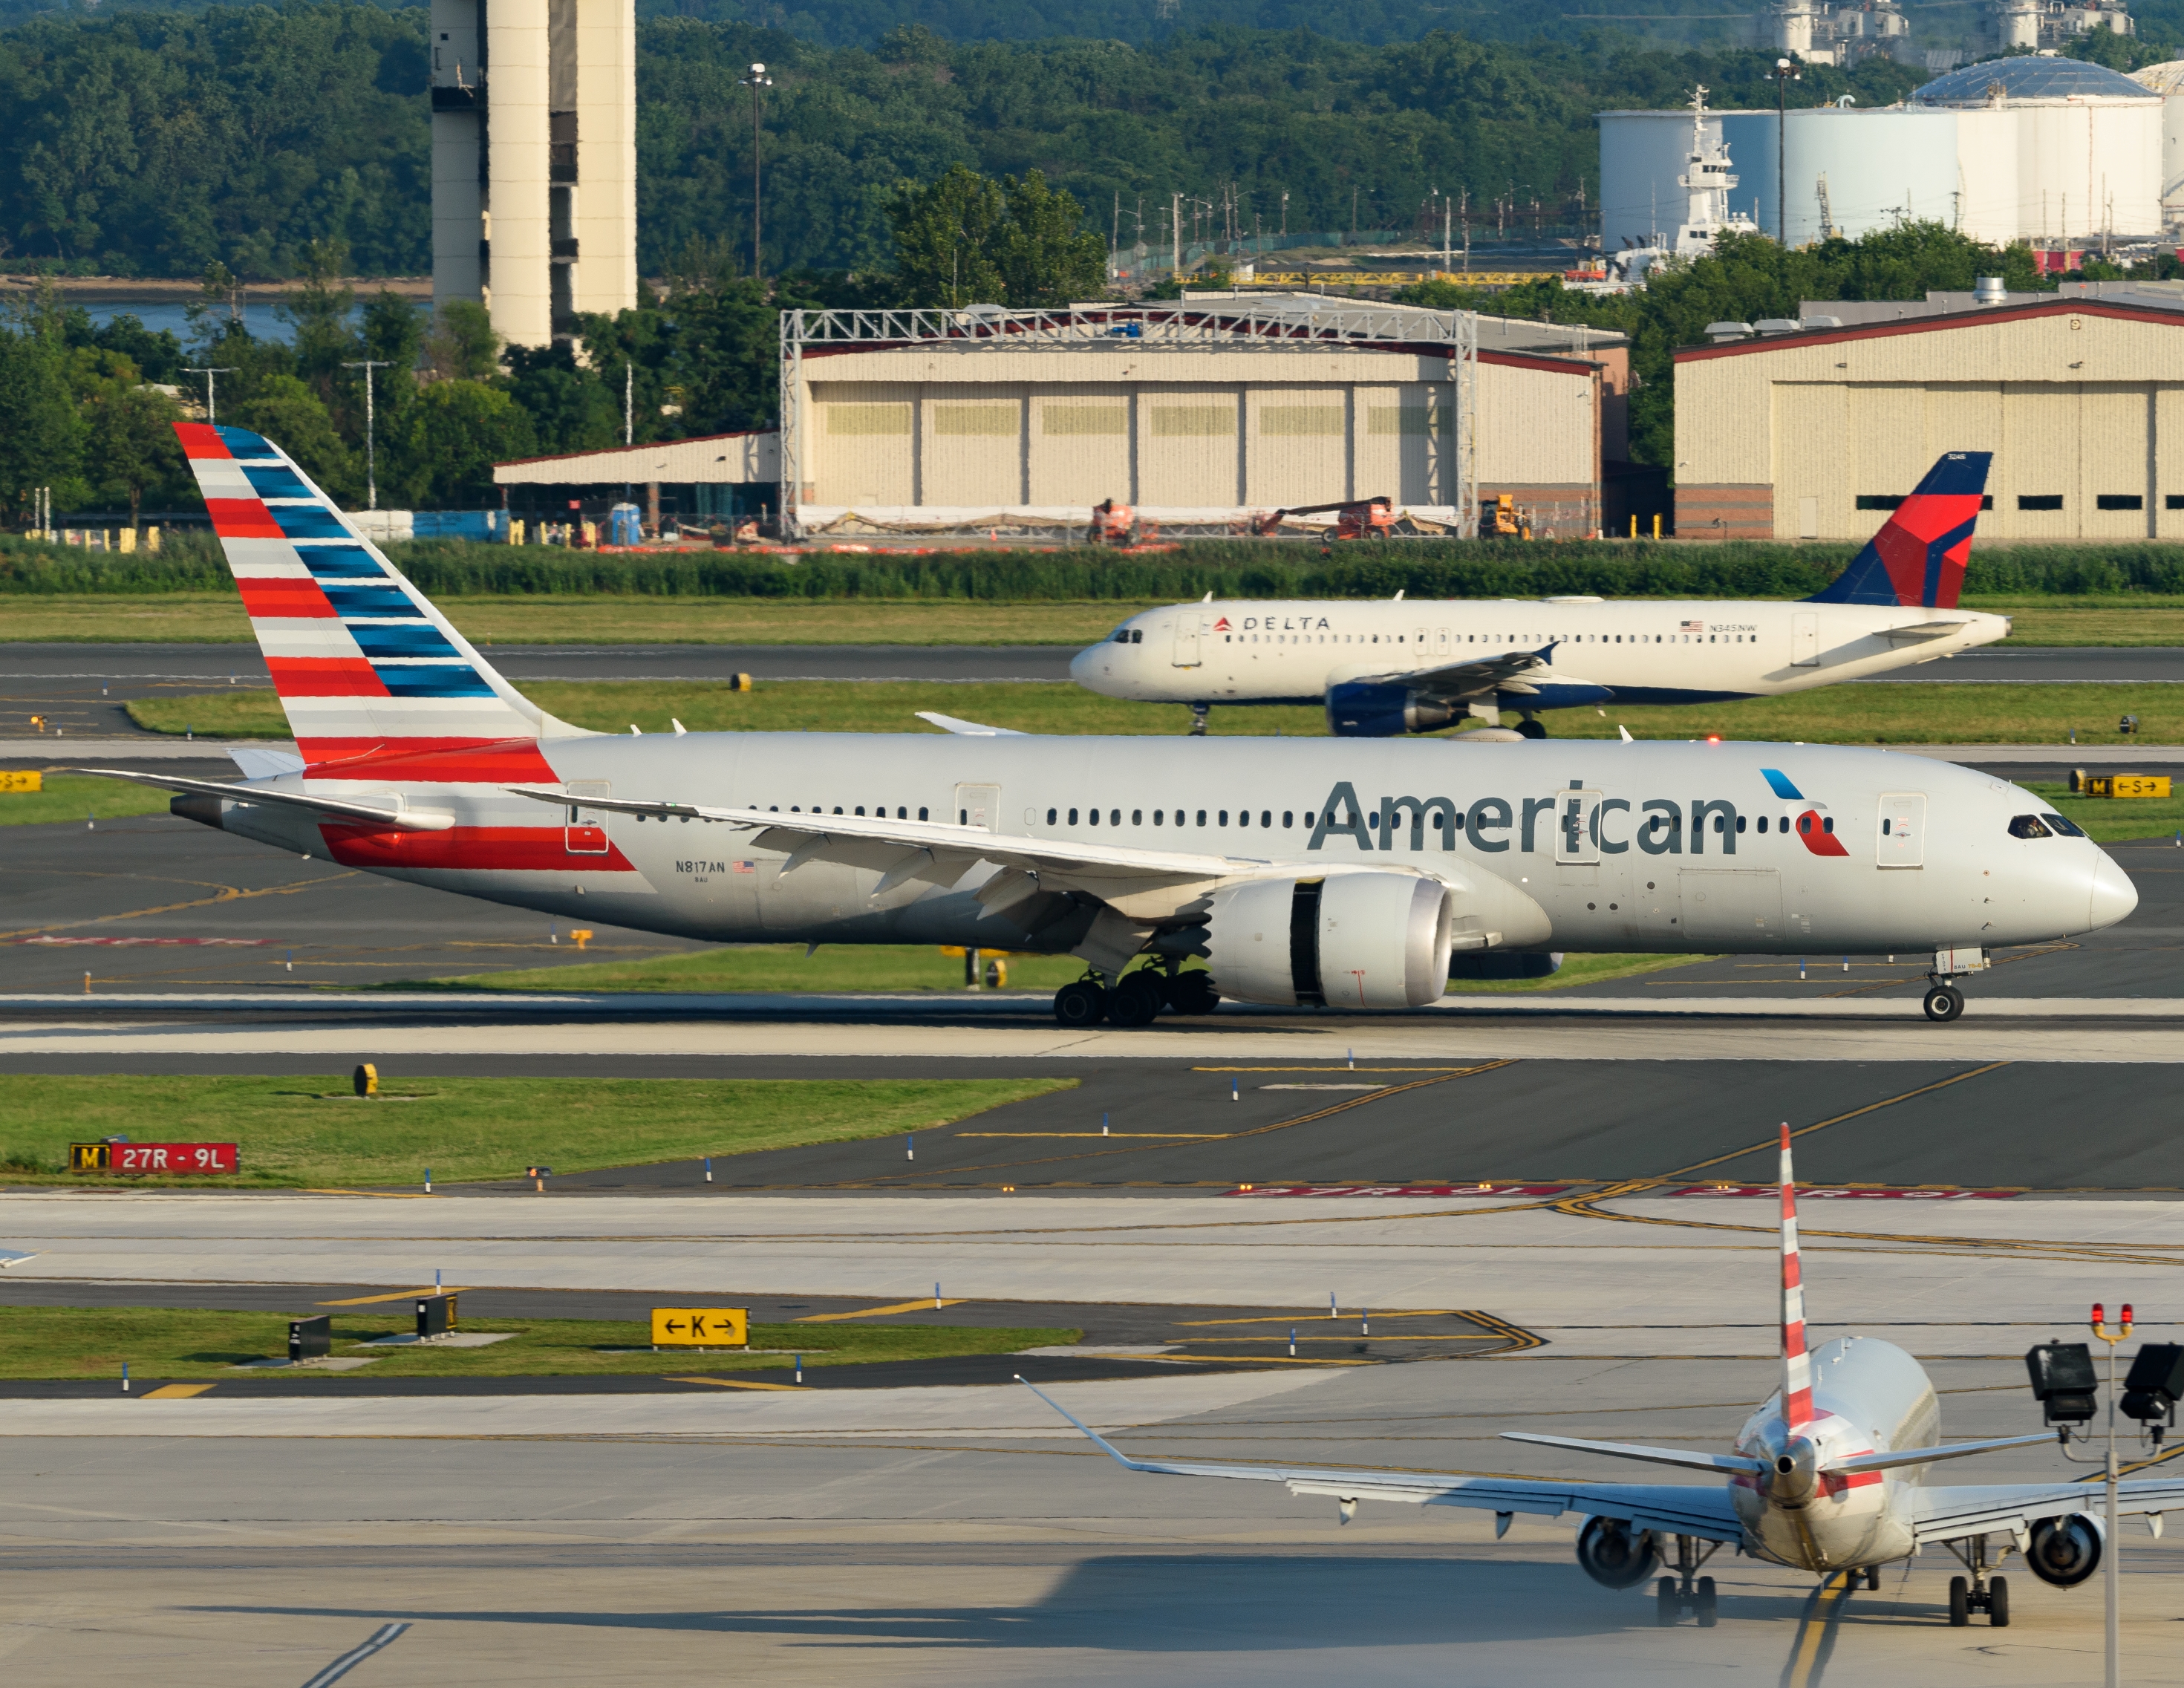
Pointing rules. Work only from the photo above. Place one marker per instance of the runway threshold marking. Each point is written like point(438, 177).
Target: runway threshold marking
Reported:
point(736, 1383)
point(397, 1296)
point(177, 1391)
point(923, 1304)
point(1436, 1076)
point(1815, 1640)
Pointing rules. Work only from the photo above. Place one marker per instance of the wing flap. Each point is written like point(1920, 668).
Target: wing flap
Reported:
point(1469, 679)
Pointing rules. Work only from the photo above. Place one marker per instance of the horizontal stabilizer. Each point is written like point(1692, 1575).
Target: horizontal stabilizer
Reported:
point(334, 808)
point(1695, 1461)
point(1886, 1461)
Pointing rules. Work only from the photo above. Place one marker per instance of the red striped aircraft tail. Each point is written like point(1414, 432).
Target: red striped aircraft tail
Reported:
point(1796, 1361)
point(366, 667)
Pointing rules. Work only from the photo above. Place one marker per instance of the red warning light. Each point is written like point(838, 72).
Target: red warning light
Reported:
point(2126, 1319)
point(1714, 739)
point(2098, 1316)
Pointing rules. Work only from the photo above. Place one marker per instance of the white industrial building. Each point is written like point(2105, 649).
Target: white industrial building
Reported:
point(534, 160)
point(1813, 431)
point(1205, 415)
point(2045, 150)
point(1201, 415)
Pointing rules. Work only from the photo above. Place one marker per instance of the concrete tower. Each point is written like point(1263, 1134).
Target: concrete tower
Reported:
point(534, 160)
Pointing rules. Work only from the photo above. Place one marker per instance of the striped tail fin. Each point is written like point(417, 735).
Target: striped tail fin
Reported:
point(366, 667)
point(1918, 558)
point(1796, 1361)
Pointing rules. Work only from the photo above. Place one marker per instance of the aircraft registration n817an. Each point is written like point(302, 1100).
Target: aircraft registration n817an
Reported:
point(1385, 666)
point(1303, 871)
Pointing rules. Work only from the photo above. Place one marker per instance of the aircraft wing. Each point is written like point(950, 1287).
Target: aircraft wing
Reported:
point(1676, 1509)
point(1458, 681)
point(938, 852)
point(1947, 1513)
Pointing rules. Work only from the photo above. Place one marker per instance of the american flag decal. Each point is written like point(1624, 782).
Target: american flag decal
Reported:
point(1691, 626)
point(742, 866)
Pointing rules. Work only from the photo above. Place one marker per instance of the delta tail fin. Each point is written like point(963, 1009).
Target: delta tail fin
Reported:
point(367, 670)
point(1796, 1360)
point(1918, 557)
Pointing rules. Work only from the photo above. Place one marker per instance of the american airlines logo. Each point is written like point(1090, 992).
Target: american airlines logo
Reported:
point(1658, 826)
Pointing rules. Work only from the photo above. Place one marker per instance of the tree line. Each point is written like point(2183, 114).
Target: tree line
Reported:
point(154, 142)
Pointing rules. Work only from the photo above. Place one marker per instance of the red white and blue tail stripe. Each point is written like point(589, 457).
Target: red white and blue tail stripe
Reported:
point(1796, 1361)
point(366, 667)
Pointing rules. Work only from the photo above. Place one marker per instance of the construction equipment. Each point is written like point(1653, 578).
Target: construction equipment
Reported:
point(1113, 524)
point(1499, 518)
point(1354, 518)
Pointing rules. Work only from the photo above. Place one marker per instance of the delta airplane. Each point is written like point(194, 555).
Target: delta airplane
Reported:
point(1293, 867)
point(1386, 667)
point(1830, 1475)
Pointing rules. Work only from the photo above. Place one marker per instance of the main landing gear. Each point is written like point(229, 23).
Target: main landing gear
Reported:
point(1529, 728)
point(1135, 998)
point(1979, 1592)
point(1198, 713)
point(1687, 1594)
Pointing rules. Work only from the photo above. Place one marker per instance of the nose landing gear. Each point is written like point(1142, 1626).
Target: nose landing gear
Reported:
point(1944, 1001)
point(1687, 1594)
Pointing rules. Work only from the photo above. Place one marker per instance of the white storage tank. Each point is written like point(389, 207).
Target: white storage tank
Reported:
point(2168, 80)
point(1881, 166)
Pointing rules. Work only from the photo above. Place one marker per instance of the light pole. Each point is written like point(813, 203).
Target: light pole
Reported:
point(371, 452)
point(211, 414)
point(758, 82)
point(1783, 74)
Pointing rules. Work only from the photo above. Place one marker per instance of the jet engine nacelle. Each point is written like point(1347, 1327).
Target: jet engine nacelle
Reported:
point(1378, 709)
point(1615, 1556)
point(2065, 1550)
point(1350, 940)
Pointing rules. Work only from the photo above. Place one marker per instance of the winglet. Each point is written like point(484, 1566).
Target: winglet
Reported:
point(969, 729)
point(1096, 1439)
point(1797, 1362)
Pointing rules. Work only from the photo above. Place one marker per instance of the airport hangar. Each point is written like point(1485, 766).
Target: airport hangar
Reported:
point(1805, 430)
point(1201, 413)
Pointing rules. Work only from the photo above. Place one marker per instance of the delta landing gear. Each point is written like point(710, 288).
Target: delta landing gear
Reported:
point(1134, 999)
point(1531, 728)
point(1687, 1594)
point(1198, 713)
point(1979, 1592)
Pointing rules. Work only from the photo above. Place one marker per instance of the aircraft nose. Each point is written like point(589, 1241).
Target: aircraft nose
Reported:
point(2113, 895)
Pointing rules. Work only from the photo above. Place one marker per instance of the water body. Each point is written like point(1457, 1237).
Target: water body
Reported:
point(162, 314)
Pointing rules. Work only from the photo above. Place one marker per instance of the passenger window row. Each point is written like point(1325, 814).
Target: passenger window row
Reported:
point(879, 810)
point(1055, 818)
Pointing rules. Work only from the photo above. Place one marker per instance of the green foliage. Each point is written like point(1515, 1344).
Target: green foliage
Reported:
point(446, 440)
point(283, 408)
point(967, 240)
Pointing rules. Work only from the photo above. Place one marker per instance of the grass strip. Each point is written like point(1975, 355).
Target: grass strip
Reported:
point(71, 797)
point(766, 968)
point(463, 1129)
point(1912, 713)
point(165, 1342)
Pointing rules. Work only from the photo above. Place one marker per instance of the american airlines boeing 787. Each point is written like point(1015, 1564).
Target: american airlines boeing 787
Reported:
point(1291, 866)
point(1383, 666)
point(1829, 1474)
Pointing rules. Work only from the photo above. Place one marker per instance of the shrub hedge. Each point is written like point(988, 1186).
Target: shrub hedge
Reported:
point(1226, 568)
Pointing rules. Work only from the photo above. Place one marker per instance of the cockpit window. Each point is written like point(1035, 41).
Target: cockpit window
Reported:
point(2069, 829)
point(2029, 827)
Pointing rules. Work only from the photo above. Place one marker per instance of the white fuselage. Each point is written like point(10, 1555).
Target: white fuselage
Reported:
point(1554, 845)
point(1869, 1396)
point(1641, 650)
